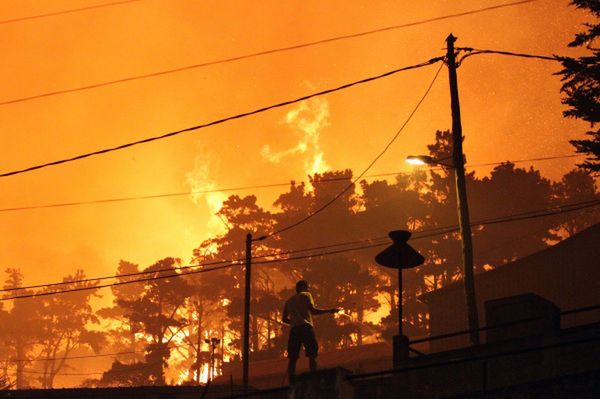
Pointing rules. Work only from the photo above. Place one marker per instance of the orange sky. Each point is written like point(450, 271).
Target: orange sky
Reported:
point(511, 110)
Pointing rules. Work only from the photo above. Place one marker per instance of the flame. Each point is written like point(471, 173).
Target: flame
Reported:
point(309, 118)
point(182, 377)
point(318, 165)
point(204, 370)
point(382, 311)
point(199, 182)
point(187, 375)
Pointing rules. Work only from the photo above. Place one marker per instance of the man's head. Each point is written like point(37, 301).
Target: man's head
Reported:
point(302, 286)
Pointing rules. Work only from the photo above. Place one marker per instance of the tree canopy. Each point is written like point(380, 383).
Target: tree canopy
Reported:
point(581, 85)
point(158, 331)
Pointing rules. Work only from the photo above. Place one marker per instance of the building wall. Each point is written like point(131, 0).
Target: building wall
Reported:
point(567, 274)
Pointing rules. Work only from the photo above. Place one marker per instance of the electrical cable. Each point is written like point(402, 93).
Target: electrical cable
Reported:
point(260, 53)
point(63, 12)
point(81, 357)
point(436, 231)
point(564, 207)
point(336, 197)
point(416, 235)
point(368, 167)
point(241, 188)
point(551, 211)
point(131, 352)
point(308, 256)
point(478, 253)
point(472, 358)
point(75, 357)
point(95, 287)
point(222, 120)
point(114, 276)
point(369, 244)
point(371, 241)
point(41, 372)
point(473, 51)
point(178, 268)
point(140, 367)
point(526, 160)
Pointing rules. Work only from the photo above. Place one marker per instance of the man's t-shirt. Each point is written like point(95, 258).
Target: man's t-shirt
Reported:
point(299, 307)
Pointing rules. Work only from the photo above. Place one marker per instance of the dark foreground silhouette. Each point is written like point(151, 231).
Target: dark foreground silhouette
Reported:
point(297, 312)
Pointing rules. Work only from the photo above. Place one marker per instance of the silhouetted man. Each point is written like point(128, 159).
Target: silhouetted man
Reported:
point(297, 312)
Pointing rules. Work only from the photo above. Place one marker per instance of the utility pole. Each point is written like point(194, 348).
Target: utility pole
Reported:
point(461, 195)
point(246, 346)
point(248, 286)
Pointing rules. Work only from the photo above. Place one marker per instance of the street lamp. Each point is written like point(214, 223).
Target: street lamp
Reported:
point(213, 342)
point(420, 160)
point(465, 232)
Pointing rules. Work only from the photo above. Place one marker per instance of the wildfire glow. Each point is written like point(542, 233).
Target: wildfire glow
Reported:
point(183, 376)
point(199, 181)
point(309, 118)
point(341, 131)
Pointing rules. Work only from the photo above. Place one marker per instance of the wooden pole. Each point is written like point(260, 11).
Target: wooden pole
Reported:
point(246, 345)
point(461, 196)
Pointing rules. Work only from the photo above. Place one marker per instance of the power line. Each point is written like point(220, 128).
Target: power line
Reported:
point(75, 357)
point(143, 197)
point(63, 12)
point(88, 288)
point(172, 269)
point(95, 287)
point(140, 367)
point(240, 260)
point(332, 252)
point(512, 218)
point(581, 205)
point(262, 53)
point(368, 243)
point(526, 160)
point(485, 251)
point(417, 235)
point(41, 372)
point(223, 120)
point(234, 262)
point(304, 257)
point(179, 268)
point(260, 186)
point(124, 275)
point(335, 198)
point(115, 354)
point(550, 211)
point(473, 51)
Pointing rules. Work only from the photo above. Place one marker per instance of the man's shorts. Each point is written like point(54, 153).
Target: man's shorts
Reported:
point(302, 335)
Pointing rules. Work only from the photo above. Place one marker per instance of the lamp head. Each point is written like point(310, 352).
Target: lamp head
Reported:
point(419, 160)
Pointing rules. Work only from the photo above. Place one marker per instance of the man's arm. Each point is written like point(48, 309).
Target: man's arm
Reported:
point(316, 311)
